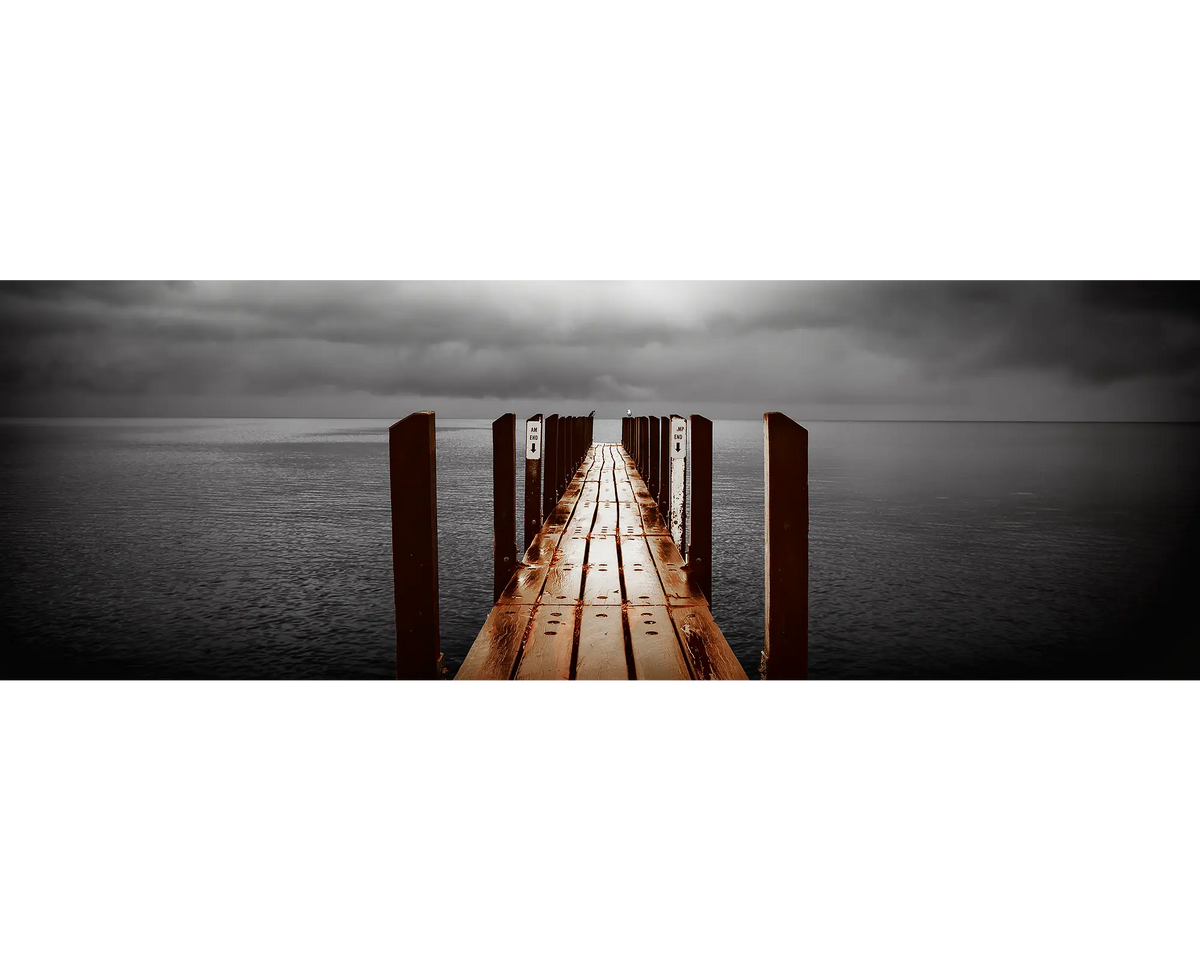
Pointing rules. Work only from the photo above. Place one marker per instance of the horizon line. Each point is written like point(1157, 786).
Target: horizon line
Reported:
point(4, 418)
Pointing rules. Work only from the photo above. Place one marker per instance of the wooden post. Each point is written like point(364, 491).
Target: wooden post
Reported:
point(664, 464)
point(699, 556)
point(412, 469)
point(564, 440)
point(504, 502)
point(568, 469)
point(533, 477)
point(785, 463)
point(550, 439)
point(625, 432)
point(652, 463)
point(645, 447)
point(678, 457)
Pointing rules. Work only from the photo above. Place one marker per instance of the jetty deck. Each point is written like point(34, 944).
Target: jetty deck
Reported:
point(602, 593)
point(616, 576)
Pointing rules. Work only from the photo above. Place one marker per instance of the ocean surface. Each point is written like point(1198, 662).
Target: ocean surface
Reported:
point(261, 548)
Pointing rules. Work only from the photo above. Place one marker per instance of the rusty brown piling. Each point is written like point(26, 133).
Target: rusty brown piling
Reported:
point(664, 462)
point(785, 462)
point(699, 552)
point(566, 467)
point(412, 468)
point(504, 501)
point(534, 453)
point(652, 462)
point(549, 481)
point(644, 445)
point(564, 456)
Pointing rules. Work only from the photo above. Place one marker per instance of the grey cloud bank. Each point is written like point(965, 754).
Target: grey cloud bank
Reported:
point(994, 350)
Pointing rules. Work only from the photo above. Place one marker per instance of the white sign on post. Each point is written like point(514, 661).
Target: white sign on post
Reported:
point(678, 438)
point(533, 439)
point(678, 485)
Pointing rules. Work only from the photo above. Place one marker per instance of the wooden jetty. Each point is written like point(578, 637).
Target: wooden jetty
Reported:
point(614, 582)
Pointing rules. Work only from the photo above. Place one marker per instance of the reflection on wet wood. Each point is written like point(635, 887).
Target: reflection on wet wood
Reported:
point(601, 644)
point(494, 654)
point(704, 645)
point(548, 650)
point(602, 592)
point(654, 645)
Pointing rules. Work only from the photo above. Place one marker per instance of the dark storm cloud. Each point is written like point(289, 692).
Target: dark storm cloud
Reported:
point(755, 343)
point(363, 313)
point(1177, 298)
point(1096, 332)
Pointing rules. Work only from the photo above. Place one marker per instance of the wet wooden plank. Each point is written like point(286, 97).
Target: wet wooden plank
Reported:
point(581, 520)
point(704, 645)
point(549, 647)
point(608, 486)
point(640, 491)
point(601, 653)
point(592, 474)
point(602, 585)
point(654, 645)
point(498, 645)
point(630, 524)
point(642, 584)
point(605, 522)
point(558, 521)
point(564, 579)
point(542, 549)
point(653, 522)
point(525, 585)
point(676, 585)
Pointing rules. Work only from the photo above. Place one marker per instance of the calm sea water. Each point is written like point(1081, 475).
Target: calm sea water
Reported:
point(261, 548)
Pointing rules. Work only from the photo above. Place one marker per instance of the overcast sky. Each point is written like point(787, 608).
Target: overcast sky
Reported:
point(814, 350)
